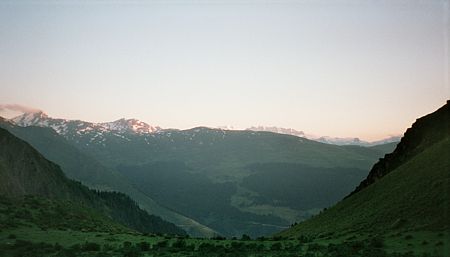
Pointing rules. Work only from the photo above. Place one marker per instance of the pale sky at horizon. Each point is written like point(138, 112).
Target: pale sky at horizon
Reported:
point(363, 69)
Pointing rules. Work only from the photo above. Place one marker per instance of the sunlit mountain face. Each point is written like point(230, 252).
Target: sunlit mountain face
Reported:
point(71, 128)
point(77, 127)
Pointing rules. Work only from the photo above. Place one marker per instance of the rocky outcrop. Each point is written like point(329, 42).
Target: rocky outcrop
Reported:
point(424, 132)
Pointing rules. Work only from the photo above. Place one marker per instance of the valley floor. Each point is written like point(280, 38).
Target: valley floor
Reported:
point(34, 242)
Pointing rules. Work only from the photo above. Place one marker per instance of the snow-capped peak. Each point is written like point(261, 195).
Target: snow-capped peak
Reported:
point(325, 139)
point(31, 119)
point(63, 126)
point(129, 125)
point(287, 131)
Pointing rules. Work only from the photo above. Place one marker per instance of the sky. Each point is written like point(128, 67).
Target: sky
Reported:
point(364, 69)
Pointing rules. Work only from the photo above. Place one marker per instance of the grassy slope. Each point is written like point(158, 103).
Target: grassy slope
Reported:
point(415, 196)
point(424, 133)
point(33, 226)
point(35, 212)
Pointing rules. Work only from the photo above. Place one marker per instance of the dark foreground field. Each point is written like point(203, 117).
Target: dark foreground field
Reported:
point(35, 242)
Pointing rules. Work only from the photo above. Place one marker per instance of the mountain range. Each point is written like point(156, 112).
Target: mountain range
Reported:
point(229, 180)
point(326, 139)
point(399, 208)
point(63, 127)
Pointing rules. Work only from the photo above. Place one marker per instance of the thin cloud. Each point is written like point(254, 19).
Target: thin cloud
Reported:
point(18, 108)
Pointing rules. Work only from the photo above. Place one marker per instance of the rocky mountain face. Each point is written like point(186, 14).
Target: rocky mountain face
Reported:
point(424, 132)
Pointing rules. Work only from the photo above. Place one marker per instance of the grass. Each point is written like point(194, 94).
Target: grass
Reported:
point(45, 214)
point(53, 242)
point(78, 232)
point(36, 227)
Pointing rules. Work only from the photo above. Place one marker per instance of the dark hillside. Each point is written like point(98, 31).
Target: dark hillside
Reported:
point(24, 171)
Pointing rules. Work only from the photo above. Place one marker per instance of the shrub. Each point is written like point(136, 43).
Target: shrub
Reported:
point(131, 252)
point(22, 243)
point(144, 246)
point(90, 246)
point(179, 243)
point(57, 247)
point(126, 244)
point(205, 247)
point(313, 247)
point(377, 242)
point(68, 253)
point(440, 243)
point(245, 237)
point(237, 245)
point(304, 239)
point(76, 247)
point(108, 247)
point(276, 247)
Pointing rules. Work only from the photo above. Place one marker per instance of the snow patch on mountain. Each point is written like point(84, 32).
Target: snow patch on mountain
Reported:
point(325, 139)
point(127, 129)
point(130, 125)
point(287, 131)
point(77, 127)
point(31, 119)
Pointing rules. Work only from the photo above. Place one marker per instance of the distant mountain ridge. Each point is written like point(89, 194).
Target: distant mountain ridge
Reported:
point(287, 131)
point(98, 130)
point(325, 139)
point(356, 141)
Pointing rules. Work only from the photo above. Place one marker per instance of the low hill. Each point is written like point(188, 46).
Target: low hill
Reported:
point(407, 190)
point(24, 171)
